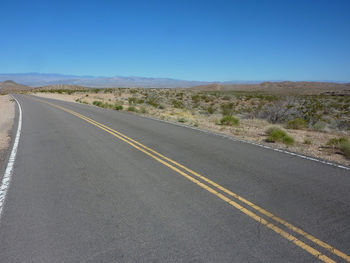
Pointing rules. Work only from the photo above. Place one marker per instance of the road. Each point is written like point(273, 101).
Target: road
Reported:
point(97, 185)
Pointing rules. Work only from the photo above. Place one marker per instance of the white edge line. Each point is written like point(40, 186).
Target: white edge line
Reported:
point(9, 169)
point(229, 137)
point(252, 143)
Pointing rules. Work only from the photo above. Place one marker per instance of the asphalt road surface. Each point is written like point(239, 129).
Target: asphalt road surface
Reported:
point(97, 185)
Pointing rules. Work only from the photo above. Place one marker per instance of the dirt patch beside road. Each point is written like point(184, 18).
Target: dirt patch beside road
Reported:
point(7, 114)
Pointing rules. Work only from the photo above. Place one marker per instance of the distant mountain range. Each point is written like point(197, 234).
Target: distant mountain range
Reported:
point(42, 79)
point(38, 79)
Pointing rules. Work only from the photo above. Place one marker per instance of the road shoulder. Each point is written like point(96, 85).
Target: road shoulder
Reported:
point(7, 113)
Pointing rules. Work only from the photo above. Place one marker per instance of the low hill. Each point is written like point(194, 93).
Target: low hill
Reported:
point(38, 80)
point(10, 86)
point(284, 88)
point(61, 87)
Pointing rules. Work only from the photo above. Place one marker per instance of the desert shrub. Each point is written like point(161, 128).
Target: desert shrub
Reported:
point(342, 144)
point(140, 101)
point(345, 149)
point(180, 95)
point(343, 124)
point(335, 142)
point(107, 105)
point(210, 109)
point(143, 110)
point(132, 100)
point(153, 101)
point(275, 134)
point(132, 108)
point(162, 106)
point(226, 97)
point(288, 140)
point(118, 106)
point(319, 125)
point(196, 98)
point(227, 109)
point(102, 104)
point(97, 103)
point(307, 141)
point(279, 111)
point(229, 120)
point(177, 104)
point(296, 124)
point(109, 90)
point(182, 120)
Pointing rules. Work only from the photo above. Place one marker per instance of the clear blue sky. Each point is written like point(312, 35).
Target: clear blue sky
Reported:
point(193, 40)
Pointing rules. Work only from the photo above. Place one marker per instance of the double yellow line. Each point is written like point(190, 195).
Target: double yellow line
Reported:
point(213, 188)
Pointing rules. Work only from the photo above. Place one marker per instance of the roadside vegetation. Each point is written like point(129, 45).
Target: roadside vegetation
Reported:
point(301, 123)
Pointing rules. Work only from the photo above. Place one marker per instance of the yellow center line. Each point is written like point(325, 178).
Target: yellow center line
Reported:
point(261, 220)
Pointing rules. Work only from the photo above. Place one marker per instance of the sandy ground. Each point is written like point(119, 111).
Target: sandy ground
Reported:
point(249, 129)
point(7, 113)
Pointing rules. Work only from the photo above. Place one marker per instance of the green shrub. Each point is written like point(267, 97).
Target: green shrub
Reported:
point(132, 108)
point(275, 134)
point(183, 120)
point(102, 104)
point(288, 140)
point(196, 98)
point(229, 120)
point(211, 110)
point(307, 141)
point(227, 109)
point(296, 124)
point(336, 142)
point(106, 105)
point(153, 102)
point(342, 144)
point(97, 103)
point(118, 106)
point(177, 104)
point(132, 100)
point(345, 149)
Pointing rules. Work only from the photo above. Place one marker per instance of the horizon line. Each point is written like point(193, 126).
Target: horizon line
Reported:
point(172, 78)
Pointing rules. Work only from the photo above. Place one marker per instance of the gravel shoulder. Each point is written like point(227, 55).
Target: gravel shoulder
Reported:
point(7, 114)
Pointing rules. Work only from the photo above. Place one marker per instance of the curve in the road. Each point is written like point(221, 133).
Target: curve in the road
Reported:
point(170, 163)
point(5, 183)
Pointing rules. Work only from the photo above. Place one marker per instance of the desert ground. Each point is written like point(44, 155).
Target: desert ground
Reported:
point(313, 125)
point(7, 113)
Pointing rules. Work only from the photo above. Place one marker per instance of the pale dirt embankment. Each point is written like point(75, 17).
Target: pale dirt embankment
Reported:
point(7, 114)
